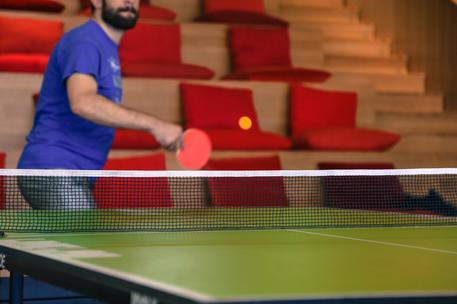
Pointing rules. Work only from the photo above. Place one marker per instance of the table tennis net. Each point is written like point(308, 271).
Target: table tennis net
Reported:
point(71, 201)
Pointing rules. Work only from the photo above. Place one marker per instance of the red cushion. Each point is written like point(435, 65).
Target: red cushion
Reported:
point(361, 192)
point(288, 74)
point(224, 139)
point(159, 70)
point(25, 63)
point(134, 139)
point(246, 191)
point(26, 35)
point(345, 139)
point(122, 193)
point(242, 5)
point(255, 47)
point(245, 163)
point(242, 17)
point(2, 183)
point(49, 6)
point(216, 107)
point(152, 43)
point(313, 108)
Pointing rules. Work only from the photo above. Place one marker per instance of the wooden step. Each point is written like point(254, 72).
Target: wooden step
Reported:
point(394, 65)
point(310, 159)
point(405, 124)
point(413, 83)
point(318, 15)
point(427, 143)
point(349, 31)
point(218, 59)
point(409, 103)
point(216, 35)
point(370, 48)
point(311, 3)
point(186, 10)
point(304, 160)
point(301, 160)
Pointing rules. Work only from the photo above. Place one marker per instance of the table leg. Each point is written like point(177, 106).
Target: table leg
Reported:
point(16, 288)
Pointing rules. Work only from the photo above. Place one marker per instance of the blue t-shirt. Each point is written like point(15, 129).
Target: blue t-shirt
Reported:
point(60, 139)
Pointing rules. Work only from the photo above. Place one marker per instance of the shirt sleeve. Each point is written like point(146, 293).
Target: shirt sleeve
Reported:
point(83, 57)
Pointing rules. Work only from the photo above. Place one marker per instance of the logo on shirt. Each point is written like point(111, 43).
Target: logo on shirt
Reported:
point(115, 67)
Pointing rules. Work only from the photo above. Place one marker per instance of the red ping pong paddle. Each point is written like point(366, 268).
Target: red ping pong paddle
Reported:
point(195, 149)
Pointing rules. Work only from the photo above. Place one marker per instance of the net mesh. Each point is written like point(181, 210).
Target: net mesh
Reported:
point(70, 201)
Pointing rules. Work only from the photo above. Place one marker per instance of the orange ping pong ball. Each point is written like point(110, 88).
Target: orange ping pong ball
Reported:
point(245, 123)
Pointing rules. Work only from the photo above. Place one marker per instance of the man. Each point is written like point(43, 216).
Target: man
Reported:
point(79, 106)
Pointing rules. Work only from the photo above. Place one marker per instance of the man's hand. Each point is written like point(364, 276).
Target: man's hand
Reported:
point(168, 135)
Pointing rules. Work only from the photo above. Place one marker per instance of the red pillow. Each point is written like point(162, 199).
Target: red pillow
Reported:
point(289, 74)
point(24, 63)
point(313, 109)
point(160, 70)
point(245, 163)
point(2, 183)
point(152, 43)
point(255, 47)
point(49, 6)
point(242, 17)
point(26, 35)
point(134, 139)
point(346, 139)
point(223, 139)
point(246, 191)
point(210, 107)
point(361, 192)
point(241, 5)
point(135, 192)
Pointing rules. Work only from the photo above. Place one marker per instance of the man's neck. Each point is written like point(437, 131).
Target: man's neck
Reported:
point(113, 33)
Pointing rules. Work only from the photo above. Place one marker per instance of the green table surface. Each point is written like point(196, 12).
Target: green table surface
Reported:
point(267, 264)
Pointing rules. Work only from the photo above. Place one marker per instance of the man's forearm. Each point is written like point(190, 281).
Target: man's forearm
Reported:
point(99, 109)
point(86, 103)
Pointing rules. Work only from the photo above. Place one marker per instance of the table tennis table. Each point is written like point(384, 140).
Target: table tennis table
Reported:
point(344, 265)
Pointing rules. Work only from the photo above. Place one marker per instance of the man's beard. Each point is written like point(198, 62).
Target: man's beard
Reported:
point(114, 18)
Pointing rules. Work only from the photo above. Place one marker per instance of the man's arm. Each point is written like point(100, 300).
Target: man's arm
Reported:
point(85, 102)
